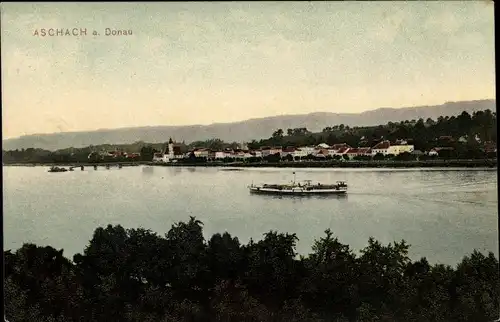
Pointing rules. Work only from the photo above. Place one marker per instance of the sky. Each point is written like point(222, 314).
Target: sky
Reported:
point(215, 62)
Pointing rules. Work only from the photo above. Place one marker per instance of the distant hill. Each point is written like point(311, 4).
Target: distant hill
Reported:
point(242, 131)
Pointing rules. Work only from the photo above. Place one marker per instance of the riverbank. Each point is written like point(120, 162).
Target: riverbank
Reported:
point(75, 165)
point(483, 163)
point(491, 163)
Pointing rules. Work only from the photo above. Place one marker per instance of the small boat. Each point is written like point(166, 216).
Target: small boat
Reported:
point(57, 169)
point(305, 187)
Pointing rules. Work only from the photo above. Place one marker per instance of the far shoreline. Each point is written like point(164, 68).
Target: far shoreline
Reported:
point(479, 163)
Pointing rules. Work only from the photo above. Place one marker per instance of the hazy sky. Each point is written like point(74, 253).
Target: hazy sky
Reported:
point(201, 63)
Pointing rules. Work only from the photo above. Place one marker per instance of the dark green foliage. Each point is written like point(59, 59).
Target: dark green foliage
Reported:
point(137, 275)
point(423, 134)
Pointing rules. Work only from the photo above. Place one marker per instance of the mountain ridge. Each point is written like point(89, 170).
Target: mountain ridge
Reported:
point(245, 130)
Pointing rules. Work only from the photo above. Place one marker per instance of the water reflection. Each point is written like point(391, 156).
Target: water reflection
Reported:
point(299, 197)
point(147, 170)
point(176, 171)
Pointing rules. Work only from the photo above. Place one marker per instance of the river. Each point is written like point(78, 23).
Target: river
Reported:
point(442, 213)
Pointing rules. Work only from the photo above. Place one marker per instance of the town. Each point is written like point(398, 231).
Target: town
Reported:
point(461, 137)
point(340, 151)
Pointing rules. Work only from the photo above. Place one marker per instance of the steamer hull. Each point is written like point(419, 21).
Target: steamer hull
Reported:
point(306, 189)
point(299, 192)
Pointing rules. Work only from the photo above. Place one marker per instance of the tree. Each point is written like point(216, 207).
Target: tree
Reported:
point(138, 275)
point(271, 263)
point(147, 153)
point(330, 283)
point(475, 290)
point(405, 156)
point(382, 268)
point(188, 263)
point(278, 134)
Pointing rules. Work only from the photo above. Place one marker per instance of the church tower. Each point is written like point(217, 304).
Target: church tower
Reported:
point(170, 149)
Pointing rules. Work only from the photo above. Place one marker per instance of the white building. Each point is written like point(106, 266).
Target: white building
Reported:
point(321, 153)
point(433, 153)
point(290, 150)
point(308, 150)
point(323, 146)
point(356, 152)
point(339, 152)
point(299, 153)
point(220, 155)
point(265, 151)
point(276, 149)
point(381, 147)
point(174, 151)
point(201, 153)
point(159, 157)
point(398, 149)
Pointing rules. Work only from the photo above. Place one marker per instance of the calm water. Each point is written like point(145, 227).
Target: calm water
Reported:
point(443, 214)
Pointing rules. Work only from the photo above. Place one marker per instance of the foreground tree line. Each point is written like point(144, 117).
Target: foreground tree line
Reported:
point(424, 135)
point(137, 275)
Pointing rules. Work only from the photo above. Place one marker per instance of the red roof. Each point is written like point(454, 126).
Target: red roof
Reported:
point(437, 149)
point(289, 149)
point(382, 145)
point(342, 150)
point(323, 152)
point(359, 150)
point(339, 146)
point(489, 144)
